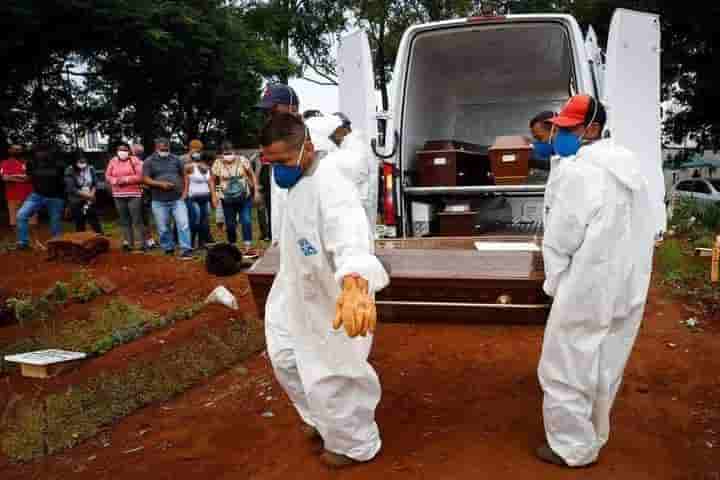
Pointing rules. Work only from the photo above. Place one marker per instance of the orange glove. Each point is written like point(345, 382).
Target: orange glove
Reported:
point(355, 309)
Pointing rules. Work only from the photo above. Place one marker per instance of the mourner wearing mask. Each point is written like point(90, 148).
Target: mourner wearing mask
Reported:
point(201, 196)
point(80, 187)
point(124, 173)
point(164, 173)
point(237, 191)
point(597, 248)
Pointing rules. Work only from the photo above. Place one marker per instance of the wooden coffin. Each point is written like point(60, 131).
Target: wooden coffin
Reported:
point(457, 224)
point(510, 160)
point(447, 279)
point(447, 163)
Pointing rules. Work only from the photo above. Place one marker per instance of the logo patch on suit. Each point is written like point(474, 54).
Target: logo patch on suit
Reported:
point(307, 248)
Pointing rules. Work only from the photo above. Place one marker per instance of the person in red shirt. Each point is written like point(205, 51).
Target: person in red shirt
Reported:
point(17, 183)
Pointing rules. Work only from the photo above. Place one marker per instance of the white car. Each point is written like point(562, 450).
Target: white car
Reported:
point(705, 191)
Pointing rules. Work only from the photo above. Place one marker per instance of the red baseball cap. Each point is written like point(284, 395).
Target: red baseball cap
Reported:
point(574, 113)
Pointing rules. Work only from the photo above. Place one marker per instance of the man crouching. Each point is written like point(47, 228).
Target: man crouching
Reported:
point(327, 279)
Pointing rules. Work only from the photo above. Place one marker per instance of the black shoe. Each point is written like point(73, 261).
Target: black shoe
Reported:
point(186, 255)
point(22, 246)
point(546, 454)
point(169, 253)
point(126, 248)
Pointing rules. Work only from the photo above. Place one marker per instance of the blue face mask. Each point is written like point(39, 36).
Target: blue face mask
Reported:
point(287, 177)
point(566, 143)
point(542, 150)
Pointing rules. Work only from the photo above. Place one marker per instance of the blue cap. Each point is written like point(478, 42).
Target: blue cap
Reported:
point(278, 94)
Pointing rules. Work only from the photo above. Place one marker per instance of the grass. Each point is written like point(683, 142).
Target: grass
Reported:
point(64, 419)
point(84, 288)
point(115, 324)
point(685, 274)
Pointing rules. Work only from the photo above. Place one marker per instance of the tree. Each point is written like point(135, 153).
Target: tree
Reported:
point(148, 67)
point(305, 29)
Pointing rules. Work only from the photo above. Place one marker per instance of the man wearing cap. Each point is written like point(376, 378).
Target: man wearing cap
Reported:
point(277, 98)
point(597, 248)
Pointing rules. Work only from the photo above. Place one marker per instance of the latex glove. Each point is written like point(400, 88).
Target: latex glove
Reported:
point(355, 310)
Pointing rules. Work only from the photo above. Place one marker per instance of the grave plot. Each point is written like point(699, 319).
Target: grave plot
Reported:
point(141, 326)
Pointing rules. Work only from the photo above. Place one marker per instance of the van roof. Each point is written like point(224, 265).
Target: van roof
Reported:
point(499, 19)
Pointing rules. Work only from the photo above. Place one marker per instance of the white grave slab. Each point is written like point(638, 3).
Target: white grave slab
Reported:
point(39, 364)
point(506, 247)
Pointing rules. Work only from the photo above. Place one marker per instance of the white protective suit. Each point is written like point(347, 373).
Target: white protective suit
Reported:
point(598, 248)
point(357, 167)
point(325, 373)
point(354, 164)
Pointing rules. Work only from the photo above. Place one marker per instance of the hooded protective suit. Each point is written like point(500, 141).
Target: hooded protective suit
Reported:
point(357, 168)
point(325, 373)
point(598, 248)
point(354, 163)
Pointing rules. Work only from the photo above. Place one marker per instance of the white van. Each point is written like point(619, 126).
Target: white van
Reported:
point(475, 79)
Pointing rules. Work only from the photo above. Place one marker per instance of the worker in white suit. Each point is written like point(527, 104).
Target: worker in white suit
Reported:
point(326, 280)
point(333, 133)
point(598, 248)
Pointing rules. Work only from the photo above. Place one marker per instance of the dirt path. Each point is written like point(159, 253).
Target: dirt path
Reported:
point(459, 402)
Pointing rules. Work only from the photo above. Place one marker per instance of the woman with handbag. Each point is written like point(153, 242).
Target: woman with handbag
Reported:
point(238, 188)
point(124, 174)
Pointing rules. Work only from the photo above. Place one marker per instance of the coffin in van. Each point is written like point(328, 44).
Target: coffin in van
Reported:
point(510, 160)
point(450, 163)
point(445, 279)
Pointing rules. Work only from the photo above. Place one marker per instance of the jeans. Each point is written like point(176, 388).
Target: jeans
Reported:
point(33, 204)
point(163, 213)
point(82, 216)
point(130, 211)
point(232, 210)
point(199, 219)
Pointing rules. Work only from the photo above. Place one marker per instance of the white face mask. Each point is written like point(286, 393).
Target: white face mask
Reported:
point(82, 165)
point(228, 157)
point(122, 155)
point(163, 154)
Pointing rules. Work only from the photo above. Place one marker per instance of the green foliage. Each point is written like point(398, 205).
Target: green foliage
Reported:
point(115, 324)
point(83, 287)
point(64, 419)
point(140, 68)
point(23, 308)
point(670, 257)
point(59, 293)
point(710, 218)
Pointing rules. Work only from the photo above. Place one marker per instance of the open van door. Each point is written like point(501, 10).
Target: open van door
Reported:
point(632, 94)
point(597, 64)
point(358, 100)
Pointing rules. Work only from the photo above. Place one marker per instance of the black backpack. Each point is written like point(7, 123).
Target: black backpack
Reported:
point(223, 260)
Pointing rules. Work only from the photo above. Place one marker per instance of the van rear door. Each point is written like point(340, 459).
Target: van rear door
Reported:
point(632, 95)
point(356, 87)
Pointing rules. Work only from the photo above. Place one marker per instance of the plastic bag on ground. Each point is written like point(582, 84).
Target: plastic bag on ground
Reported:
point(222, 296)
